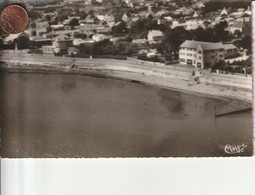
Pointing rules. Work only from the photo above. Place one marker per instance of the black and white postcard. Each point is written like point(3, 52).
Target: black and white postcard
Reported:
point(127, 78)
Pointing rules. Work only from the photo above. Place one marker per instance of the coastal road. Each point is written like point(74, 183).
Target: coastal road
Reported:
point(18, 57)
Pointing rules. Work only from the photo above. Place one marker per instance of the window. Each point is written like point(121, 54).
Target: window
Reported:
point(213, 57)
point(221, 50)
point(212, 51)
point(189, 61)
point(199, 52)
point(199, 58)
point(221, 56)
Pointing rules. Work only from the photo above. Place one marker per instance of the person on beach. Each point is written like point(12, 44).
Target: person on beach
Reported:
point(73, 64)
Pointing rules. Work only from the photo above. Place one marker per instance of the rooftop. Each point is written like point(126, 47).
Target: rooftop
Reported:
point(238, 24)
point(229, 46)
point(156, 33)
point(204, 45)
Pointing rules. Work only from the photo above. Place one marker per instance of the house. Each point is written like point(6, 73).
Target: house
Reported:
point(194, 24)
point(87, 2)
point(40, 29)
point(244, 17)
point(191, 24)
point(168, 18)
point(88, 29)
point(39, 42)
point(176, 24)
point(139, 41)
point(63, 41)
point(243, 27)
point(107, 18)
point(48, 50)
point(57, 27)
point(248, 11)
point(152, 53)
point(103, 30)
point(60, 44)
point(125, 18)
point(224, 12)
point(230, 50)
point(78, 41)
point(115, 39)
point(155, 36)
point(201, 54)
point(195, 15)
point(99, 37)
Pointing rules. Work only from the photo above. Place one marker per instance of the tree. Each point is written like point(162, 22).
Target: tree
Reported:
point(246, 43)
point(83, 15)
point(34, 15)
point(221, 65)
point(172, 40)
point(220, 33)
point(237, 33)
point(175, 37)
point(201, 34)
point(120, 29)
point(33, 33)
point(74, 22)
point(22, 42)
point(99, 48)
point(48, 29)
point(33, 25)
point(81, 36)
point(48, 18)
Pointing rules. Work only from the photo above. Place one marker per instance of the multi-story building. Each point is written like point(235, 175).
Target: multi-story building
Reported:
point(60, 44)
point(201, 54)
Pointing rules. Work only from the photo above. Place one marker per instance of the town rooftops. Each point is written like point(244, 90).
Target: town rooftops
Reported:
point(204, 45)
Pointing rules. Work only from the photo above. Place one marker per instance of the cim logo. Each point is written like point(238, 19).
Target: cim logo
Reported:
point(234, 149)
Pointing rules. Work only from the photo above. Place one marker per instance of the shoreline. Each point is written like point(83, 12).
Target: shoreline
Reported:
point(206, 90)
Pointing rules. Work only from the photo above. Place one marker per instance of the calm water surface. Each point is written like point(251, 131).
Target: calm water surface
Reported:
point(45, 115)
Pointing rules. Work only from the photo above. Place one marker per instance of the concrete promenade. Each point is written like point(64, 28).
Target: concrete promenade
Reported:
point(172, 77)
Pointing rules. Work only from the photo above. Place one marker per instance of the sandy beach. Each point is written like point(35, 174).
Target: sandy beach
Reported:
point(150, 76)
